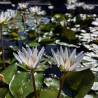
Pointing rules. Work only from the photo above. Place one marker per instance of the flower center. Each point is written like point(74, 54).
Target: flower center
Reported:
point(71, 63)
point(34, 59)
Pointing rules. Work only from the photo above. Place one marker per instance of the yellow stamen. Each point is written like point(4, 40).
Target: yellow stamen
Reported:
point(71, 63)
point(34, 59)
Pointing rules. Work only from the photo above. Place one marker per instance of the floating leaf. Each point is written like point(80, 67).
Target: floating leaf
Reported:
point(8, 95)
point(78, 84)
point(42, 68)
point(52, 83)
point(22, 85)
point(45, 41)
point(9, 72)
point(3, 92)
point(51, 93)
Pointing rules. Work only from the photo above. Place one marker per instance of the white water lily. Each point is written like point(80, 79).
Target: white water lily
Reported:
point(71, 6)
point(35, 9)
point(50, 7)
point(41, 13)
point(88, 7)
point(71, 1)
point(4, 17)
point(12, 13)
point(29, 57)
point(80, 4)
point(66, 60)
point(23, 6)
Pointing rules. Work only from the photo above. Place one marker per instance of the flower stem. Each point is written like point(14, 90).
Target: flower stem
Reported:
point(35, 93)
point(67, 34)
point(16, 29)
point(64, 75)
point(2, 47)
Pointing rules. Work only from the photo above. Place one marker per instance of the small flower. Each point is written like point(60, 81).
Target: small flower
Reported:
point(23, 6)
point(71, 7)
point(12, 13)
point(4, 17)
point(41, 13)
point(50, 7)
point(35, 9)
point(66, 60)
point(71, 1)
point(88, 7)
point(31, 59)
point(80, 4)
point(63, 23)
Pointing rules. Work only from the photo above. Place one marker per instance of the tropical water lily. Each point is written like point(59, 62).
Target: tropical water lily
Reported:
point(4, 17)
point(35, 9)
point(23, 6)
point(66, 60)
point(29, 57)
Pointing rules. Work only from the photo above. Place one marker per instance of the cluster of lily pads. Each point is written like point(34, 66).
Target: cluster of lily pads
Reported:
point(57, 71)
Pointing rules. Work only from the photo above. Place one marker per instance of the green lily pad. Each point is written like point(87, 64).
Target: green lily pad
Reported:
point(78, 84)
point(22, 85)
point(52, 83)
point(3, 92)
point(9, 72)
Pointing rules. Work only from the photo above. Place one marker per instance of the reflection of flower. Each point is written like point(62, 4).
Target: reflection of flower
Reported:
point(66, 60)
point(31, 59)
point(23, 6)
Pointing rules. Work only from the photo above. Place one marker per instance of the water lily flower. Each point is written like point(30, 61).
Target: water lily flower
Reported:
point(50, 7)
point(23, 6)
point(67, 61)
point(95, 22)
point(71, 1)
point(29, 57)
point(80, 4)
point(35, 9)
point(41, 13)
point(12, 13)
point(71, 7)
point(4, 17)
point(88, 7)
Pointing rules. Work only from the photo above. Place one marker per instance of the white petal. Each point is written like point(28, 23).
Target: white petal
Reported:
point(79, 55)
point(61, 52)
point(41, 52)
point(61, 60)
point(31, 62)
point(80, 58)
point(17, 57)
point(55, 57)
point(29, 51)
point(66, 54)
point(73, 66)
point(22, 57)
point(35, 52)
point(67, 65)
point(39, 57)
point(72, 56)
point(25, 52)
point(36, 63)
